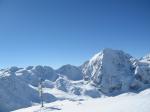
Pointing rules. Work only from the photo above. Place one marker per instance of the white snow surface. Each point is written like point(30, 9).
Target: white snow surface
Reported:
point(128, 102)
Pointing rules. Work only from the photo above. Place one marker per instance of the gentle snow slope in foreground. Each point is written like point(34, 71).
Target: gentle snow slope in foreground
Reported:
point(123, 103)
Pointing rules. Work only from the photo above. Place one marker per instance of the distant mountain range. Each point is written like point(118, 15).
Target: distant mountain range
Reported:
point(109, 72)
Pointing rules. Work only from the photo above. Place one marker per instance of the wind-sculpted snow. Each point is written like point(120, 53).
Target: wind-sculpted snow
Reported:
point(110, 73)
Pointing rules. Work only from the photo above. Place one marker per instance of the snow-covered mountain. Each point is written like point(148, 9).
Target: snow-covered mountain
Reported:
point(109, 72)
point(71, 72)
point(115, 72)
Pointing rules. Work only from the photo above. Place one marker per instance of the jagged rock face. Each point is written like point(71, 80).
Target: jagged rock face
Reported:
point(71, 72)
point(113, 72)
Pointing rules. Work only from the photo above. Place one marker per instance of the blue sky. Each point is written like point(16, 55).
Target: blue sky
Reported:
point(58, 32)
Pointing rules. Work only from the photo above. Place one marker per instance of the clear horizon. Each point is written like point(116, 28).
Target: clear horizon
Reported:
point(59, 32)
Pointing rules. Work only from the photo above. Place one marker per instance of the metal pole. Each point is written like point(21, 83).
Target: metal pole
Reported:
point(41, 93)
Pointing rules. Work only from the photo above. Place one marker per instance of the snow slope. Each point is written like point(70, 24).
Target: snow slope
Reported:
point(128, 102)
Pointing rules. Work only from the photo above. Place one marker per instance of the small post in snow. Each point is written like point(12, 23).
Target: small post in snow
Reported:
point(41, 92)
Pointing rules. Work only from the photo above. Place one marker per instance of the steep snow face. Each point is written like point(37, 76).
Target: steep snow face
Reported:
point(114, 72)
point(71, 72)
point(111, 70)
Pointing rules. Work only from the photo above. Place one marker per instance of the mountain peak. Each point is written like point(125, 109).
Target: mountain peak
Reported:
point(100, 54)
point(108, 53)
point(109, 68)
point(105, 50)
